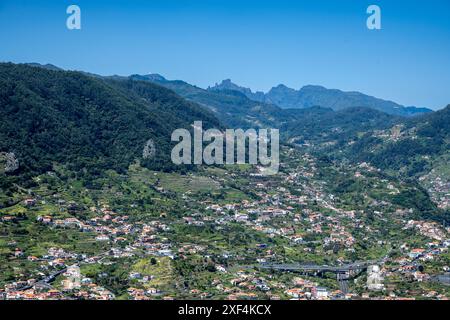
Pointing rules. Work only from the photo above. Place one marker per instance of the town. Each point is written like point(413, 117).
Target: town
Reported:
point(221, 233)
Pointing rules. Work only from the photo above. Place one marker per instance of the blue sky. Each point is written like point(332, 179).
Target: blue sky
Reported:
point(258, 44)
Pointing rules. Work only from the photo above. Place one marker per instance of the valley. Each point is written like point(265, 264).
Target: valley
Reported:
point(358, 210)
point(148, 235)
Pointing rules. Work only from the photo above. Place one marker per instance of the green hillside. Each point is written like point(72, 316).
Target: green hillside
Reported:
point(410, 147)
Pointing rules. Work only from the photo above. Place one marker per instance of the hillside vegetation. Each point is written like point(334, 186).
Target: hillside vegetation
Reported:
point(88, 124)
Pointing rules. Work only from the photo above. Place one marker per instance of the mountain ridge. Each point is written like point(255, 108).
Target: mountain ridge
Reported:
point(286, 97)
point(315, 95)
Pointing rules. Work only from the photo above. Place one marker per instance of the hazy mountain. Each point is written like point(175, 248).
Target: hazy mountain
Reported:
point(47, 66)
point(310, 96)
point(149, 77)
point(233, 108)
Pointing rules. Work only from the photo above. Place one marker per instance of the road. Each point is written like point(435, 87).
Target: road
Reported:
point(319, 268)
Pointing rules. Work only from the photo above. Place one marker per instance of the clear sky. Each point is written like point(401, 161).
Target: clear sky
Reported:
point(258, 44)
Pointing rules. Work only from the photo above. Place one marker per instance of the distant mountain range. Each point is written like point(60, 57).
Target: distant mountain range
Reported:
point(310, 96)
